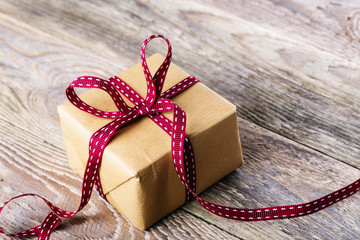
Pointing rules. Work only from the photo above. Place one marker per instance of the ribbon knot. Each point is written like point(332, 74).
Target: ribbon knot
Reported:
point(142, 109)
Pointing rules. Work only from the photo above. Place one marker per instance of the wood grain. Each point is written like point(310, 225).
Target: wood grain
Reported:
point(291, 67)
point(283, 59)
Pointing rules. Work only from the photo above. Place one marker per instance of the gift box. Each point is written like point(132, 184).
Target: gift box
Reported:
point(137, 173)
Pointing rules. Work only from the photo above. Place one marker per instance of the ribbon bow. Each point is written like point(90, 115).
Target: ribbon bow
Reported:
point(154, 103)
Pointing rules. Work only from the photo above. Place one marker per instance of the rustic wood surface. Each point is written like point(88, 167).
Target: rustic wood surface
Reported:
point(291, 67)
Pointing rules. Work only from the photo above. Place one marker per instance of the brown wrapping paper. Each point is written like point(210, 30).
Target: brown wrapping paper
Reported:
point(137, 172)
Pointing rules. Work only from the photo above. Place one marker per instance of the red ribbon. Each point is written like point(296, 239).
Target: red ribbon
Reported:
point(152, 106)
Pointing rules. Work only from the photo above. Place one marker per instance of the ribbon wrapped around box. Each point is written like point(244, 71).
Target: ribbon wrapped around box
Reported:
point(137, 151)
point(137, 173)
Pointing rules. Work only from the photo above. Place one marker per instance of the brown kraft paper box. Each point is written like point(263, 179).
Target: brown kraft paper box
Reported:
point(137, 172)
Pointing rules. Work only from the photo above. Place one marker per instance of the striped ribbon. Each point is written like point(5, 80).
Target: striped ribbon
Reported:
point(152, 106)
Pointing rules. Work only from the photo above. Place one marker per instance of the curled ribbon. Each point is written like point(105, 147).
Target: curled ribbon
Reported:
point(152, 106)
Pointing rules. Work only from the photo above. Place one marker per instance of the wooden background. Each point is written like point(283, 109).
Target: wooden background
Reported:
point(291, 67)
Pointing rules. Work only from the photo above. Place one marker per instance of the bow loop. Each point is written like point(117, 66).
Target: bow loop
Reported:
point(155, 84)
point(95, 82)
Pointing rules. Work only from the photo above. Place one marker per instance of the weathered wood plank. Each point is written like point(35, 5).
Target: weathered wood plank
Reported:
point(290, 67)
point(36, 69)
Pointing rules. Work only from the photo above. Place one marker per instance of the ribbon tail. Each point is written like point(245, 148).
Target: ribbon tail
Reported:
point(97, 145)
point(44, 230)
point(47, 227)
point(244, 214)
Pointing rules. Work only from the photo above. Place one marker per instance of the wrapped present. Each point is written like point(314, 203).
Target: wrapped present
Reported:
point(137, 172)
point(137, 151)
